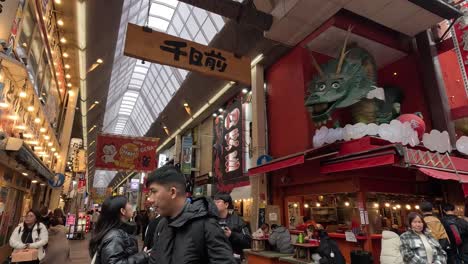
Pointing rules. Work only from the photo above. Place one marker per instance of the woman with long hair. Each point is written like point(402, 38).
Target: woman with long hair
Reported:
point(418, 246)
point(58, 248)
point(112, 241)
point(31, 234)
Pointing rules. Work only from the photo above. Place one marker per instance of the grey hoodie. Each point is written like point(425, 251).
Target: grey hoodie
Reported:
point(280, 240)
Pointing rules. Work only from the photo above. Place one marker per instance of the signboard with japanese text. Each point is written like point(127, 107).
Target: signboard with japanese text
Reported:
point(227, 148)
point(121, 153)
point(79, 162)
point(460, 39)
point(186, 166)
point(169, 50)
point(81, 183)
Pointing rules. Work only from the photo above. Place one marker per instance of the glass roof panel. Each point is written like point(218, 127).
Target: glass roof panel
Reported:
point(128, 112)
point(162, 11)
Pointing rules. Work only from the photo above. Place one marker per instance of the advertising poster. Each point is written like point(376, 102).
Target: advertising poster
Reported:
point(187, 143)
point(227, 148)
point(121, 153)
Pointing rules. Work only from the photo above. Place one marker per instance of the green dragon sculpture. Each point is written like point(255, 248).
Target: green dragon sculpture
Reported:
point(346, 82)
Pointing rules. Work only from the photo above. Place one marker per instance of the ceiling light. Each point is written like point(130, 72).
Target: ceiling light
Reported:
point(42, 184)
point(96, 102)
point(56, 154)
point(24, 174)
point(68, 76)
point(4, 105)
point(100, 61)
point(185, 104)
point(27, 135)
point(63, 40)
point(53, 149)
point(30, 108)
point(42, 130)
point(376, 205)
point(37, 120)
point(67, 66)
point(244, 91)
point(318, 204)
point(59, 83)
point(34, 181)
point(408, 207)
point(387, 205)
point(50, 144)
point(24, 44)
point(69, 84)
point(71, 93)
point(58, 1)
point(398, 206)
point(57, 73)
point(47, 137)
point(23, 94)
point(215, 115)
point(220, 110)
point(65, 55)
point(346, 203)
point(416, 207)
point(13, 117)
point(60, 22)
point(306, 206)
point(21, 127)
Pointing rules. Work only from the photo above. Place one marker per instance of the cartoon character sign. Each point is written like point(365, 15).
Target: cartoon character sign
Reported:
point(128, 154)
point(109, 153)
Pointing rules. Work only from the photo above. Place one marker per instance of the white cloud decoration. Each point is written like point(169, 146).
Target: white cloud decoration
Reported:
point(395, 132)
point(437, 141)
point(462, 145)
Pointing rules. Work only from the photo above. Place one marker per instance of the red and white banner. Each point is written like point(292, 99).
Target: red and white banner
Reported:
point(122, 153)
point(460, 39)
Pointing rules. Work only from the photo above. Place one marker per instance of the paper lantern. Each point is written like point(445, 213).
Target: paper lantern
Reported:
point(417, 123)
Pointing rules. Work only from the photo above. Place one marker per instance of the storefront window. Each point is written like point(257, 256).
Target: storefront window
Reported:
point(5, 205)
point(28, 25)
point(35, 55)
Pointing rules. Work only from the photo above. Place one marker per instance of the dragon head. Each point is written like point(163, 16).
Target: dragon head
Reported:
point(340, 83)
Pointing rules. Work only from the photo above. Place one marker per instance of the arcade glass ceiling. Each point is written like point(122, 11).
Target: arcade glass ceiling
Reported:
point(139, 91)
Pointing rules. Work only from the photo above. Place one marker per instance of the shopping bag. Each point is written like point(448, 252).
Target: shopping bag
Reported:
point(21, 255)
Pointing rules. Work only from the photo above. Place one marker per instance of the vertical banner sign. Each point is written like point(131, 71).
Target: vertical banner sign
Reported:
point(227, 148)
point(187, 143)
point(81, 182)
point(460, 40)
point(122, 153)
point(8, 10)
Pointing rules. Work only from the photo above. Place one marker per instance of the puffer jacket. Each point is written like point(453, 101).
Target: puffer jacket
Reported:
point(39, 235)
point(118, 247)
point(240, 235)
point(192, 237)
point(413, 251)
point(390, 253)
point(280, 240)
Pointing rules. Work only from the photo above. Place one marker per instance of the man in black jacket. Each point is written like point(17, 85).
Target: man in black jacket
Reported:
point(234, 227)
point(457, 229)
point(187, 233)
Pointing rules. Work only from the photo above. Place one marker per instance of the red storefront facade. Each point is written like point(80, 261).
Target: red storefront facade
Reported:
point(367, 175)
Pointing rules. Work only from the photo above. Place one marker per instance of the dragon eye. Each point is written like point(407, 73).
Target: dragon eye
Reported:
point(321, 86)
point(335, 85)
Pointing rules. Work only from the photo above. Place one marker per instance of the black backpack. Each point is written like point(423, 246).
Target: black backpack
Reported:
point(453, 231)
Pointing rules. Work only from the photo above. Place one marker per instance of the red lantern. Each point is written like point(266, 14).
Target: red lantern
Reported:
point(416, 121)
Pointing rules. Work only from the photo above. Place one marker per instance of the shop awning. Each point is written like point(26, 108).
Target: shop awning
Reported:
point(359, 163)
point(277, 164)
point(16, 148)
point(444, 175)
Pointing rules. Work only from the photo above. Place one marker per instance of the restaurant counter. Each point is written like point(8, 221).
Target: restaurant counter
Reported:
point(346, 247)
point(264, 257)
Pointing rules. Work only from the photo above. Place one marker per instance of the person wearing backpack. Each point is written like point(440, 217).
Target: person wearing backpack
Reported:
point(457, 230)
point(31, 234)
point(435, 225)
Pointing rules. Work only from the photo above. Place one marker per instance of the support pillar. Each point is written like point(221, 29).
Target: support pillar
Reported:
point(434, 86)
point(258, 182)
point(177, 149)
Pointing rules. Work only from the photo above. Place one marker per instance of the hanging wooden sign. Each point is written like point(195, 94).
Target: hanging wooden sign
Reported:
point(170, 50)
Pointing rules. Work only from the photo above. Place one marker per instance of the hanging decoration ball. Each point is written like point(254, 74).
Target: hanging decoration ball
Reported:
point(416, 121)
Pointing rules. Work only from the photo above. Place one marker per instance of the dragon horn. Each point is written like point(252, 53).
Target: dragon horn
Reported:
point(317, 66)
point(343, 51)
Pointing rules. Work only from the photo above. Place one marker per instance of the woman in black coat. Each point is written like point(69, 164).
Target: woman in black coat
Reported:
point(112, 241)
point(328, 250)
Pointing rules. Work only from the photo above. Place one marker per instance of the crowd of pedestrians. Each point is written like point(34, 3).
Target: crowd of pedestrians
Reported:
point(429, 239)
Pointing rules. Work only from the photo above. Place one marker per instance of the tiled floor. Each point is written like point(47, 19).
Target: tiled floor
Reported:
point(79, 251)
